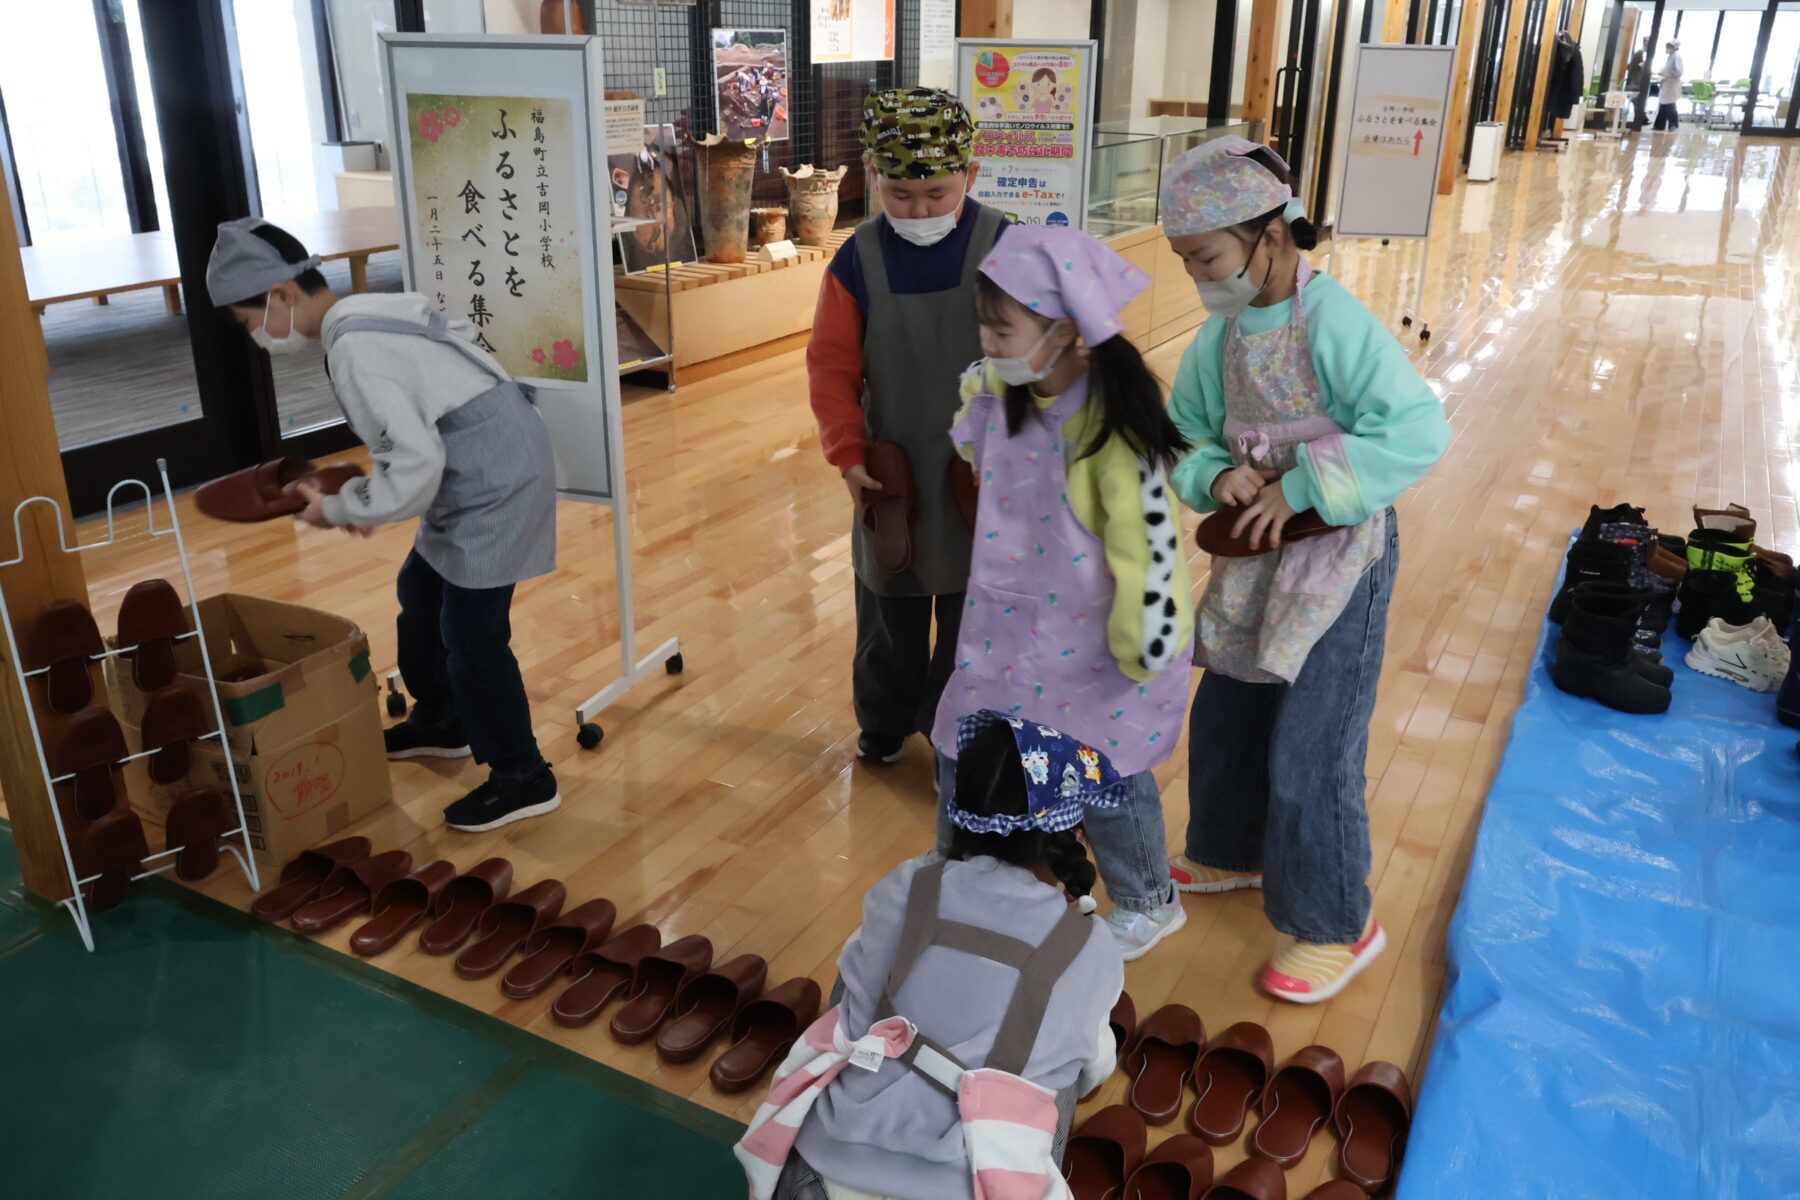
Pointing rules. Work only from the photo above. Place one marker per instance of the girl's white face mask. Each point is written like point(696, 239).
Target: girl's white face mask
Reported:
point(1019, 372)
point(1230, 297)
point(292, 342)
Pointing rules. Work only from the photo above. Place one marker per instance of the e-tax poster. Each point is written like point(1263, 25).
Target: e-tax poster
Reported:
point(1033, 104)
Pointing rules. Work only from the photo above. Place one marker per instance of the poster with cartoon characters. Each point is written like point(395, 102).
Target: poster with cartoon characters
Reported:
point(1033, 104)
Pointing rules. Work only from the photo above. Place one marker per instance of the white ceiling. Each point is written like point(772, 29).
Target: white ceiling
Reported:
point(1702, 5)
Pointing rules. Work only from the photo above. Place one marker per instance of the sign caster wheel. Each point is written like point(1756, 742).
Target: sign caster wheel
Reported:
point(1425, 333)
point(675, 666)
point(590, 736)
point(396, 702)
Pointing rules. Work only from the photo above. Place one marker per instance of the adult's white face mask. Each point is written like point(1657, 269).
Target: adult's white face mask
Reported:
point(928, 231)
point(1019, 372)
point(1230, 297)
point(293, 342)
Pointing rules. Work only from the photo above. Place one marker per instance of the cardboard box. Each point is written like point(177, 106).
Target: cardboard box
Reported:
point(303, 720)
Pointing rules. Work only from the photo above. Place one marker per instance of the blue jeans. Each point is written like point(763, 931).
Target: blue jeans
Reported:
point(1130, 846)
point(456, 657)
point(1276, 772)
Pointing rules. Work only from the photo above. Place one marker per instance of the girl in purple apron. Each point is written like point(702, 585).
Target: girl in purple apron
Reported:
point(1295, 398)
point(1077, 613)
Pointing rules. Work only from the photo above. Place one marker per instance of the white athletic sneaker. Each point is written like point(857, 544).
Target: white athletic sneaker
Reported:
point(1138, 932)
point(1752, 655)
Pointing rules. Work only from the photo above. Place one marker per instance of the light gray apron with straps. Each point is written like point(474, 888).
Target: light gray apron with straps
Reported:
point(493, 522)
point(915, 350)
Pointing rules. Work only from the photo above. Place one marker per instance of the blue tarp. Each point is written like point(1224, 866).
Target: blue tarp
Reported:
point(1623, 1019)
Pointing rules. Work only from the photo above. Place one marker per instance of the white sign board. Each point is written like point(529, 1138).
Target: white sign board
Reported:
point(852, 30)
point(937, 43)
point(1033, 104)
point(624, 127)
point(1398, 113)
point(499, 156)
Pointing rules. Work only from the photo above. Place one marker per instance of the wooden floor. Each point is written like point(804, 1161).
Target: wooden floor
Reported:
point(1612, 323)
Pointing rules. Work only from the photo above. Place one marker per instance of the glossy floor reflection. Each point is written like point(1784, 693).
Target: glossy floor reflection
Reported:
point(1614, 322)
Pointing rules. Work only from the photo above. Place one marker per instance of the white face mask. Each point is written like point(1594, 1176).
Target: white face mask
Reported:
point(928, 231)
point(1230, 297)
point(1018, 372)
point(292, 343)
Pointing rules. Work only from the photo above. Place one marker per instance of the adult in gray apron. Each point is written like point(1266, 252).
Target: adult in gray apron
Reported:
point(915, 350)
point(491, 526)
point(1039, 968)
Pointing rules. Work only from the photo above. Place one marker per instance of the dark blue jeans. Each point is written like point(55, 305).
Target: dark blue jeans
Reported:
point(456, 657)
point(1276, 771)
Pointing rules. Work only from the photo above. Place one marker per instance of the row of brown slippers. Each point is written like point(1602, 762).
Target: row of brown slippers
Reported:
point(63, 640)
point(672, 993)
point(1235, 1072)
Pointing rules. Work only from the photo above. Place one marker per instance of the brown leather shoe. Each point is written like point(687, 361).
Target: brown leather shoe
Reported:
point(1215, 537)
point(1104, 1152)
point(194, 824)
point(505, 926)
point(549, 951)
point(349, 890)
point(658, 980)
point(303, 876)
point(1229, 1078)
point(1252, 1179)
point(762, 1033)
point(90, 749)
point(706, 1006)
point(401, 905)
point(460, 905)
point(1298, 1102)
point(173, 719)
point(1123, 1021)
point(264, 492)
point(602, 974)
point(888, 515)
point(1160, 1061)
point(1373, 1116)
point(62, 639)
point(1179, 1169)
point(150, 619)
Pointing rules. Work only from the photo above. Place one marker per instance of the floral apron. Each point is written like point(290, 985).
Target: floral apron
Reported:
point(1261, 616)
point(1033, 642)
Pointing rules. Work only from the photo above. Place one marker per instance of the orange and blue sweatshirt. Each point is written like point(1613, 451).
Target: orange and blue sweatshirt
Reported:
point(834, 355)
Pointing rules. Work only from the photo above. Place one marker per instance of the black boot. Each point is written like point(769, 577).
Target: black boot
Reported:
point(1595, 659)
point(1618, 514)
point(1591, 562)
point(1708, 594)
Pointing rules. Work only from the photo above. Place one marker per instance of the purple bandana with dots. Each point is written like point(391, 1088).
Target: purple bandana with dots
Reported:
point(1065, 274)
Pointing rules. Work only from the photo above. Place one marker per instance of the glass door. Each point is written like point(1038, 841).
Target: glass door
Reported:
point(1775, 74)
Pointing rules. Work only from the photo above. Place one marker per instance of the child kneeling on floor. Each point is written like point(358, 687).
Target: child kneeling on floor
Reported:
point(947, 946)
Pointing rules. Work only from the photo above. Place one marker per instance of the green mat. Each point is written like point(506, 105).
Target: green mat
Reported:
point(200, 1054)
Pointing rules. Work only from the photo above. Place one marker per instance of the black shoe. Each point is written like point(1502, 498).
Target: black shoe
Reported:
point(494, 804)
point(1708, 594)
point(879, 750)
point(1654, 672)
point(1591, 562)
point(407, 740)
point(1619, 514)
point(1595, 658)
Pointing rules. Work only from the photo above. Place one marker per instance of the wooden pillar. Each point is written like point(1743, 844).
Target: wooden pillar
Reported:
point(1514, 49)
point(1259, 67)
point(1546, 52)
point(1393, 20)
point(30, 465)
point(987, 18)
point(1460, 99)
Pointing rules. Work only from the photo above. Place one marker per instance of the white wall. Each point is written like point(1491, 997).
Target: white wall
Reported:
point(1064, 19)
point(454, 16)
point(511, 16)
point(356, 29)
point(1149, 54)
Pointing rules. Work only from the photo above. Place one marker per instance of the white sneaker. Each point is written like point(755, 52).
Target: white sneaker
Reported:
point(1752, 655)
point(1138, 932)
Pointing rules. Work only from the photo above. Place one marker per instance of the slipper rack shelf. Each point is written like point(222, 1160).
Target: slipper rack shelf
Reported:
point(235, 840)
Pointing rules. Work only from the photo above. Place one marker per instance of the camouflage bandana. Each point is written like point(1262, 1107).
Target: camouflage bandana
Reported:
point(917, 133)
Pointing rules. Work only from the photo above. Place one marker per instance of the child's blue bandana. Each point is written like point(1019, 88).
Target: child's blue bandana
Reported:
point(1063, 777)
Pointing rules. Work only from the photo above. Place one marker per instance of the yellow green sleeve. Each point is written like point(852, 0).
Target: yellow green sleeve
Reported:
point(1126, 504)
point(970, 388)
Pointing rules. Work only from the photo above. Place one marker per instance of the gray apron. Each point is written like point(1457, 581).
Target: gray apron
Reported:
point(915, 350)
point(493, 521)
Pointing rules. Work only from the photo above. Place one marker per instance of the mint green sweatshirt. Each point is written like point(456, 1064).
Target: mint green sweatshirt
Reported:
point(1395, 421)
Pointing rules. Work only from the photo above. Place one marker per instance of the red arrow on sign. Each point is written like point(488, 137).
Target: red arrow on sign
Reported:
point(1418, 140)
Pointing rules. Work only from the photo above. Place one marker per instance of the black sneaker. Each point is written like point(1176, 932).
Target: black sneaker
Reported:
point(1619, 514)
point(879, 750)
point(407, 740)
point(495, 804)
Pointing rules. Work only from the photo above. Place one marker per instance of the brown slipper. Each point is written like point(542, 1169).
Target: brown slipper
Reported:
point(150, 619)
point(505, 926)
point(707, 1004)
point(399, 906)
point(1252, 1179)
point(1160, 1061)
point(1337, 1189)
point(194, 824)
point(1104, 1152)
point(90, 749)
point(173, 720)
point(1373, 1116)
point(1297, 1104)
point(264, 492)
point(304, 875)
point(1123, 1022)
point(965, 493)
point(1179, 1169)
point(889, 515)
point(109, 890)
point(114, 842)
point(602, 974)
point(1229, 1079)
point(461, 904)
point(762, 1033)
point(549, 951)
point(658, 979)
point(1215, 537)
point(62, 639)
point(350, 890)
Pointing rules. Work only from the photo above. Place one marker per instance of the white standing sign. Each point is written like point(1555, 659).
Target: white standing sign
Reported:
point(1033, 104)
point(1398, 115)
